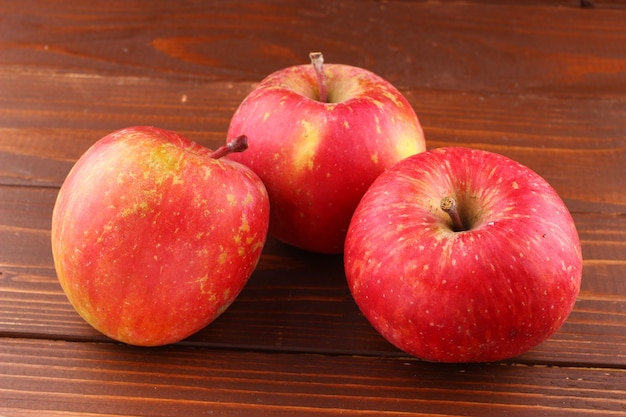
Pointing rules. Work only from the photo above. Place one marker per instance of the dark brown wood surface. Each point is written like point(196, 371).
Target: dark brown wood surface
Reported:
point(543, 82)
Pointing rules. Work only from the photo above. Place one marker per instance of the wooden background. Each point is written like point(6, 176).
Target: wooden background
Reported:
point(543, 82)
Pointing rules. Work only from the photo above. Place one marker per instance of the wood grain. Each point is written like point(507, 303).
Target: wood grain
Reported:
point(468, 46)
point(119, 380)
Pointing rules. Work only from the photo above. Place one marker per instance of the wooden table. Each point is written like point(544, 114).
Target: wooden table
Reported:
point(543, 82)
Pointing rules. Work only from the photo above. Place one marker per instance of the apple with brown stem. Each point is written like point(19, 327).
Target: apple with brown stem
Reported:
point(319, 135)
point(463, 255)
point(154, 236)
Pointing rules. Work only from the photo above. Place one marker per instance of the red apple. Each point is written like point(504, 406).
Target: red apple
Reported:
point(154, 236)
point(318, 138)
point(463, 255)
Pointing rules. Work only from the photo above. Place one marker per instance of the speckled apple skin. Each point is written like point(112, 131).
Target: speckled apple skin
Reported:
point(316, 158)
point(484, 294)
point(153, 239)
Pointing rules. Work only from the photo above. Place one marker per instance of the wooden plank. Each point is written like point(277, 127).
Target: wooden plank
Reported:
point(45, 127)
point(468, 46)
point(119, 380)
point(297, 301)
point(561, 139)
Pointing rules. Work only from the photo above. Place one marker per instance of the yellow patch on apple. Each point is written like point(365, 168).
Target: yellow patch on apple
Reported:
point(407, 146)
point(304, 154)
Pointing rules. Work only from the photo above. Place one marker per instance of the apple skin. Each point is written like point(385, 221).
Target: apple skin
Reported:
point(153, 238)
point(488, 293)
point(316, 158)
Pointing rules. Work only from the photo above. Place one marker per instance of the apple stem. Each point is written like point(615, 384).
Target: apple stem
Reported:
point(317, 60)
point(448, 204)
point(239, 144)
